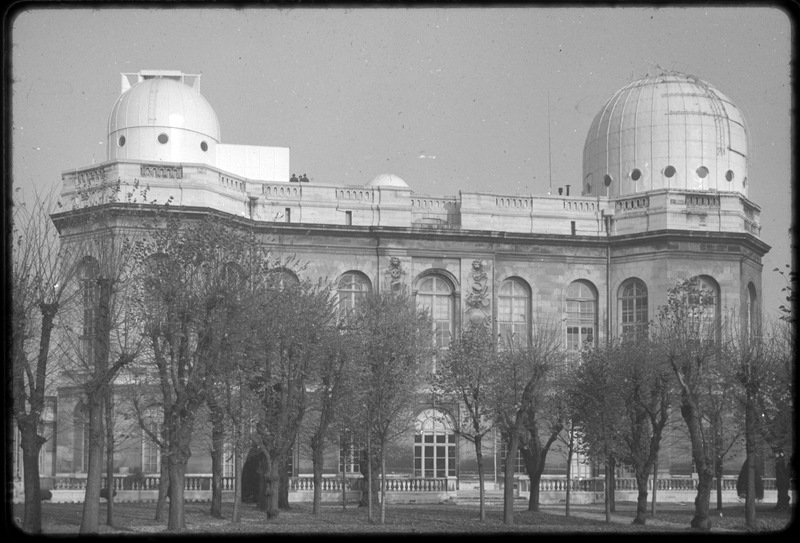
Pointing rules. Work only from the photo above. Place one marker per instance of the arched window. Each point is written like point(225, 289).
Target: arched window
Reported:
point(351, 291)
point(281, 278)
point(80, 438)
point(581, 315)
point(633, 308)
point(436, 295)
point(434, 445)
point(513, 310)
point(151, 452)
point(88, 273)
point(704, 299)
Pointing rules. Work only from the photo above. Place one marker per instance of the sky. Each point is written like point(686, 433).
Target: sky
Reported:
point(448, 98)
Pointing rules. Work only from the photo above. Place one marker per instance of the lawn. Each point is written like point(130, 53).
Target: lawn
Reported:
point(133, 519)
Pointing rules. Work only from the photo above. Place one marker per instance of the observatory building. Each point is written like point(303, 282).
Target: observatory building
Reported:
point(663, 197)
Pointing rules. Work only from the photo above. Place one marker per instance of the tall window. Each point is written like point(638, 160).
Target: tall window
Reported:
point(351, 290)
point(633, 308)
point(704, 298)
point(434, 445)
point(80, 438)
point(436, 295)
point(90, 298)
point(151, 452)
point(519, 464)
point(349, 451)
point(227, 459)
point(752, 312)
point(581, 315)
point(513, 308)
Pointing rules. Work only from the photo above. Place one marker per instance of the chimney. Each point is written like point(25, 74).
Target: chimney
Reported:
point(567, 190)
point(560, 191)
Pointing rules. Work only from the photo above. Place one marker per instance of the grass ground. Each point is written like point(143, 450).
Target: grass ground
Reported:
point(133, 519)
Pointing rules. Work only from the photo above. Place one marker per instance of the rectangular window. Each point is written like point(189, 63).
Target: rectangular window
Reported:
point(520, 464)
point(287, 214)
point(435, 455)
point(227, 460)
point(348, 218)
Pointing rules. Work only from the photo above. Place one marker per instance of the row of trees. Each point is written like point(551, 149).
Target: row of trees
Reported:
point(199, 315)
point(614, 402)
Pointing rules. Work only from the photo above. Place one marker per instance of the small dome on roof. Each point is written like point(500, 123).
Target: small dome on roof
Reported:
point(387, 180)
point(162, 118)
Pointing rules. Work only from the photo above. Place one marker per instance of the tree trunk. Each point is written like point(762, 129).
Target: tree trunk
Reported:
point(369, 489)
point(383, 484)
point(705, 475)
point(238, 466)
point(283, 489)
point(163, 487)
point(91, 502)
point(217, 451)
point(109, 409)
point(31, 445)
point(508, 479)
point(607, 494)
point(272, 482)
point(177, 482)
point(569, 475)
point(750, 450)
point(781, 481)
point(612, 484)
point(481, 477)
point(718, 471)
point(317, 460)
point(641, 500)
point(655, 486)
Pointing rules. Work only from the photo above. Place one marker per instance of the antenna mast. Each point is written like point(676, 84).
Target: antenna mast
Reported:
point(549, 154)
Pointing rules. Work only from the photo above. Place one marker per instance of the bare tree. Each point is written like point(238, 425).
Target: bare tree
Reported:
point(518, 389)
point(463, 377)
point(191, 277)
point(40, 272)
point(688, 331)
point(292, 329)
point(395, 346)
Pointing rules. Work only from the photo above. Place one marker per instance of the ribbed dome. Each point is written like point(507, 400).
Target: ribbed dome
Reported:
point(387, 180)
point(666, 131)
point(161, 118)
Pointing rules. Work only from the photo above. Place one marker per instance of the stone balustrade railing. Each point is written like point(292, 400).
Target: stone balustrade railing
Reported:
point(202, 482)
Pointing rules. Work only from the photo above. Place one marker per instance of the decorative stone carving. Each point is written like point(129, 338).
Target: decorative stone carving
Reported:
point(394, 273)
point(478, 299)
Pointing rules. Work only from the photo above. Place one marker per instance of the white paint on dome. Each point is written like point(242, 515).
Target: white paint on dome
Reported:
point(670, 119)
point(387, 180)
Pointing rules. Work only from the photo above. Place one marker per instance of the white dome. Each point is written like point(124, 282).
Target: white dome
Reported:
point(161, 118)
point(387, 180)
point(666, 131)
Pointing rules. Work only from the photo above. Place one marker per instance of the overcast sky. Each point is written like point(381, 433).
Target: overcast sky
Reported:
point(448, 99)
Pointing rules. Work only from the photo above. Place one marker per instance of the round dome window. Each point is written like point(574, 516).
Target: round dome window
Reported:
point(729, 175)
point(121, 141)
point(636, 174)
point(204, 146)
point(702, 172)
point(669, 171)
point(607, 180)
point(163, 138)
